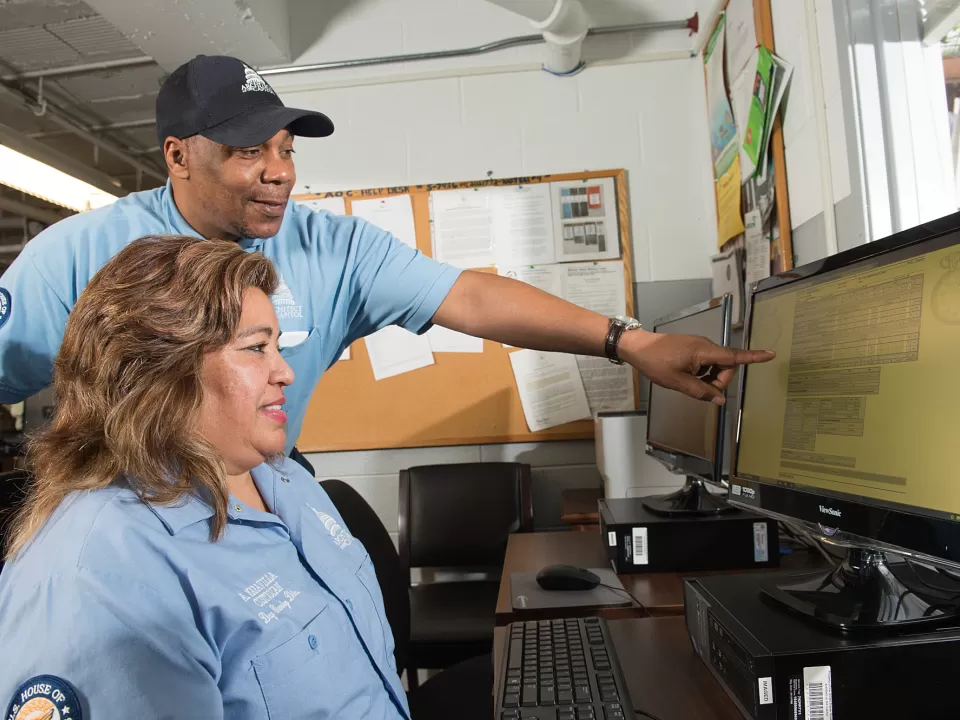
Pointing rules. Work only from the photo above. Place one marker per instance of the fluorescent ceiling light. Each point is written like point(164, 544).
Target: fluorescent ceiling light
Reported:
point(36, 178)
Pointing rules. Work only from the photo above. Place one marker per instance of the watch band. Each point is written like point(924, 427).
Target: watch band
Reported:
point(618, 326)
point(612, 343)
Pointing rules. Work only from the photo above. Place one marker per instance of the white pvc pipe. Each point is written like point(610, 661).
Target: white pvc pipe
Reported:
point(563, 24)
point(536, 11)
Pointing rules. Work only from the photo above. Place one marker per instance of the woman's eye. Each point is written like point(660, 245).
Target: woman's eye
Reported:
point(258, 348)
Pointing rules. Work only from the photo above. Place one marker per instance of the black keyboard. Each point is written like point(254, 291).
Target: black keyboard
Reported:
point(562, 670)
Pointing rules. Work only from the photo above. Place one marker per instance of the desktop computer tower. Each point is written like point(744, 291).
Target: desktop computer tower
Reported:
point(639, 541)
point(776, 665)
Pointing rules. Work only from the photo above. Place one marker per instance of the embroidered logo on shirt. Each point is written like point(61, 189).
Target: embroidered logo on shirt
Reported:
point(45, 697)
point(284, 303)
point(338, 532)
point(6, 303)
point(254, 83)
point(267, 593)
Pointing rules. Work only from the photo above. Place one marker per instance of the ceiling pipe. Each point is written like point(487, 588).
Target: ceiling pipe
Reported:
point(47, 217)
point(55, 115)
point(79, 69)
point(690, 24)
point(125, 125)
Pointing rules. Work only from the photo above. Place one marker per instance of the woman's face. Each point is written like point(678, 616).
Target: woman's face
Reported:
point(242, 414)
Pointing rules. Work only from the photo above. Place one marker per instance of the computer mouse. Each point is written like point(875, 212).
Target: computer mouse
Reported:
point(566, 577)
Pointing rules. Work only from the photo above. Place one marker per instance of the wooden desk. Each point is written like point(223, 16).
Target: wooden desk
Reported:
point(663, 674)
point(578, 507)
point(660, 593)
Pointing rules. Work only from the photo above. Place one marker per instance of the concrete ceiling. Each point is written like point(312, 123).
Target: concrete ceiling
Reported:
point(38, 36)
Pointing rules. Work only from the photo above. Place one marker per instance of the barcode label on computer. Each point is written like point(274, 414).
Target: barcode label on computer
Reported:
point(612, 539)
point(760, 552)
point(817, 693)
point(640, 547)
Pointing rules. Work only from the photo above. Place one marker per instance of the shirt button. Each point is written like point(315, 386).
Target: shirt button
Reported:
point(237, 508)
point(286, 480)
point(312, 642)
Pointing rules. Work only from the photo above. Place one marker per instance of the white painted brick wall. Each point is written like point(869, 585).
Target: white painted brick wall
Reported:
point(375, 473)
point(460, 119)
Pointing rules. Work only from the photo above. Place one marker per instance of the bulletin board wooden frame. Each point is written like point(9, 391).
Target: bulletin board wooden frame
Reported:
point(464, 398)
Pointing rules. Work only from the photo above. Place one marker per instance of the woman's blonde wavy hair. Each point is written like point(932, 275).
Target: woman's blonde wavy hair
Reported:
point(127, 378)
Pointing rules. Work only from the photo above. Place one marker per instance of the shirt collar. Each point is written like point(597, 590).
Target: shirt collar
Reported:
point(182, 514)
point(179, 224)
point(193, 510)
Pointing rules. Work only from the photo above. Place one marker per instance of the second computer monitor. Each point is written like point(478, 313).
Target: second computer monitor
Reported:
point(685, 434)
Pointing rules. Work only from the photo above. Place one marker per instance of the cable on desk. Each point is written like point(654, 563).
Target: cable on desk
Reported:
point(645, 714)
point(632, 597)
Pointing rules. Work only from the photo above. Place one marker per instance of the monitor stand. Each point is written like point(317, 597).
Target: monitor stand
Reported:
point(690, 500)
point(869, 592)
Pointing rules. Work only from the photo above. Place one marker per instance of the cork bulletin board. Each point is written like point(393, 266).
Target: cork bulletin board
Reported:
point(464, 398)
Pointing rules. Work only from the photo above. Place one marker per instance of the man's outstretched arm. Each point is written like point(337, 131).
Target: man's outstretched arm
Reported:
point(513, 312)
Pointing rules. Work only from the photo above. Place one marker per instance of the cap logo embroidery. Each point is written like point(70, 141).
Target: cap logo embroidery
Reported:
point(255, 83)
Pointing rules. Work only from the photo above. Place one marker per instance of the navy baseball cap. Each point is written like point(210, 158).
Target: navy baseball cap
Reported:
point(226, 100)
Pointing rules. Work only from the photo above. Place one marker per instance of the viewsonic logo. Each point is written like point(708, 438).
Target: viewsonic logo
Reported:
point(830, 511)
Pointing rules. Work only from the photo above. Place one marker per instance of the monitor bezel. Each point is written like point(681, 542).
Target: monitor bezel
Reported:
point(676, 460)
point(862, 521)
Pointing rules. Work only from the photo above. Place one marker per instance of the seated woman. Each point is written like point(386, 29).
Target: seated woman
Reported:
point(168, 562)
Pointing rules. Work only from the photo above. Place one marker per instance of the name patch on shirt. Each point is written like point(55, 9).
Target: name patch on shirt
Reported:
point(6, 303)
point(270, 596)
point(45, 697)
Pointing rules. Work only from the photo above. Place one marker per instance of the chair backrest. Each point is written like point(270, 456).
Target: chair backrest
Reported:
point(13, 485)
point(364, 525)
point(459, 516)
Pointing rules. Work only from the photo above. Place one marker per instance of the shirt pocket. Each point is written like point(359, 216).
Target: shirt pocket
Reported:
point(311, 340)
point(367, 576)
point(292, 675)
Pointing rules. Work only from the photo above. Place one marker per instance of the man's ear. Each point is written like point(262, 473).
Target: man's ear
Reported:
point(176, 153)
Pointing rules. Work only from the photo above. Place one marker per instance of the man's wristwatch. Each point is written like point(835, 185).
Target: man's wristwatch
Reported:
point(618, 326)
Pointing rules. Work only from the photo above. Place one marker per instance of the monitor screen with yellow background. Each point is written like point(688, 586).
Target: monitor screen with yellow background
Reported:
point(863, 398)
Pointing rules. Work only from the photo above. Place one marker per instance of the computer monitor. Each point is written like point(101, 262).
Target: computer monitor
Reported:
point(853, 431)
point(684, 434)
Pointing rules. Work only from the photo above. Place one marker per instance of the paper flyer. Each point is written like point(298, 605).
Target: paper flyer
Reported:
point(461, 224)
point(729, 220)
point(393, 214)
point(551, 392)
point(757, 248)
point(726, 279)
point(723, 132)
point(585, 223)
point(523, 231)
point(333, 205)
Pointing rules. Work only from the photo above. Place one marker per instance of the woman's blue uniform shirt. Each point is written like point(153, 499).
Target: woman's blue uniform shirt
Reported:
point(135, 608)
point(342, 279)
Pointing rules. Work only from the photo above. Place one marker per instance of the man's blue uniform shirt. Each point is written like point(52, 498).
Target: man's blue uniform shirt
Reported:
point(133, 606)
point(342, 279)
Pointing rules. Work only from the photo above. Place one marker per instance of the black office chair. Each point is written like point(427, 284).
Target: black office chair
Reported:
point(463, 691)
point(13, 486)
point(458, 517)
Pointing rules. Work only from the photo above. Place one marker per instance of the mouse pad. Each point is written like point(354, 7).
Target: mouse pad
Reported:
point(527, 595)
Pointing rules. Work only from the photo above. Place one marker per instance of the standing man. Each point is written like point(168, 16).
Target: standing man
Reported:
point(228, 144)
